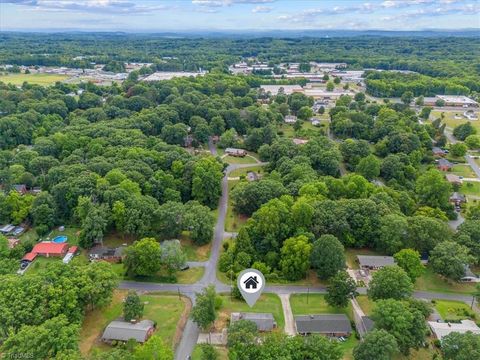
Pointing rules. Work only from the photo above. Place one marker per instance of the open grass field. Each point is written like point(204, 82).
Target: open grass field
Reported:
point(243, 172)
point(267, 303)
point(470, 188)
point(463, 170)
point(249, 159)
point(430, 281)
point(450, 119)
point(454, 310)
point(37, 79)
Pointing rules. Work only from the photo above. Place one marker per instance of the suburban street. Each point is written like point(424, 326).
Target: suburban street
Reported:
point(191, 330)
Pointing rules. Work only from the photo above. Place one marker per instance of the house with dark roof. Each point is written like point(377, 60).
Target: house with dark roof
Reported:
point(106, 254)
point(438, 152)
point(373, 262)
point(120, 330)
point(444, 165)
point(20, 188)
point(332, 325)
point(457, 199)
point(264, 321)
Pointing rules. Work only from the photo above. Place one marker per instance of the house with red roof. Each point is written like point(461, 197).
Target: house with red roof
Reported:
point(48, 249)
point(29, 257)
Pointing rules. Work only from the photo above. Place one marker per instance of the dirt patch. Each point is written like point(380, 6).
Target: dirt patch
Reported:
point(222, 321)
point(182, 321)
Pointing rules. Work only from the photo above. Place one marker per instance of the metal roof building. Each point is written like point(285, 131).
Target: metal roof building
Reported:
point(123, 331)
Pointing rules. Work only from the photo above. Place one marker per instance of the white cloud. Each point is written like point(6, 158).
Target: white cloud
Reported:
point(389, 4)
point(101, 6)
point(262, 9)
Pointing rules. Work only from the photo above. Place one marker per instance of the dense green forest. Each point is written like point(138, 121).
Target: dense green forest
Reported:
point(433, 56)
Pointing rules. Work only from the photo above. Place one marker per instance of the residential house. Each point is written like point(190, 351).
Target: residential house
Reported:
point(120, 330)
point(48, 249)
point(235, 152)
point(315, 121)
point(454, 179)
point(114, 255)
point(373, 262)
point(290, 119)
point(438, 152)
point(333, 325)
point(29, 257)
point(444, 165)
point(469, 275)
point(20, 188)
point(457, 199)
point(442, 329)
point(264, 321)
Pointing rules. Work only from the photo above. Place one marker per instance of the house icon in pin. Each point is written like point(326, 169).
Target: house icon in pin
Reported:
point(251, 282)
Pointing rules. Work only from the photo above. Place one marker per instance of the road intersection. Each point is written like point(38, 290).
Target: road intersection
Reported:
point(191, 330)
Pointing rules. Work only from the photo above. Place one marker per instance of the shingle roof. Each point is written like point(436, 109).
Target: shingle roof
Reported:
point(323, 324)
point(122, 330)
point(375, 261)
point(264, 321)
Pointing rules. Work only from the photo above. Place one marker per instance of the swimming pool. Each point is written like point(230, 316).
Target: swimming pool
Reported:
point(60, 239)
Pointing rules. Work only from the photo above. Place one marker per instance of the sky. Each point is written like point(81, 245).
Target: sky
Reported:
point(237, 15)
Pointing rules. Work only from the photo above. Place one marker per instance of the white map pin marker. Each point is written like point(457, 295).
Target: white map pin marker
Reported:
point(251, 283)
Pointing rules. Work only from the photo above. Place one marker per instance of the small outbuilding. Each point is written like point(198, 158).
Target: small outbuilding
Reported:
point(106, 254)
point(120, 330)
point(332, 325)
point(264, 321)
point(235, 152)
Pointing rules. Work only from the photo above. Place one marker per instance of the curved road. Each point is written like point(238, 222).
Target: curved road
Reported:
point(191, 331)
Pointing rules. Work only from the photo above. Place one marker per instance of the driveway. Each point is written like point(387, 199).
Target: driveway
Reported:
point(287, 314)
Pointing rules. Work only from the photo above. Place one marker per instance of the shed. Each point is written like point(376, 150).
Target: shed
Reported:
point(326, 324)
point(120, 330)
point(264, 321)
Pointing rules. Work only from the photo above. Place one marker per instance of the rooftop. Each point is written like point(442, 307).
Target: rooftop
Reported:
point(264, 321)
point(46, 247)
point(123, 330)
point(323, 324)
point(457, 99)
point(443, 329)
point(375, 261)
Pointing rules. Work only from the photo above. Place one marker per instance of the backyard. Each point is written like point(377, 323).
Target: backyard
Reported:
point(454, 310)
point(166, 310)
point(429, 281)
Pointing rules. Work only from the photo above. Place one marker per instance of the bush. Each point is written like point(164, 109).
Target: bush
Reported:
point(42, 230)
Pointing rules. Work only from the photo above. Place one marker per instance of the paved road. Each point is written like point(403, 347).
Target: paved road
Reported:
point(190, 334)
point(287, 314)
point(191, 331)
point(473, 164)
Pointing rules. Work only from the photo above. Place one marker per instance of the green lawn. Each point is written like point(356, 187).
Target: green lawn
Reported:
point(305, 304)
point(233, 221)
point(40, 263)
point(239, 160)
point(454, 310)
point(463, 170)
point(72, 234)
point(243, 172)
point(38, 79)
point(267, 303)
point(450, 118)
point(165, 310)
point(30, 235)
point(470, 188)
point(430, 281)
